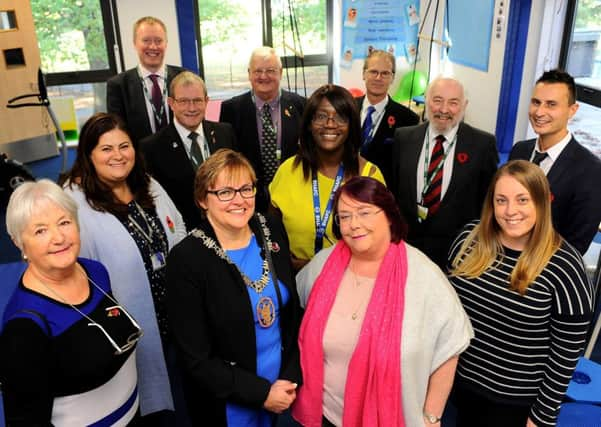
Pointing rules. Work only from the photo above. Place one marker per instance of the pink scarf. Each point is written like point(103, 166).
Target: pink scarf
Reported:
point(372, 395)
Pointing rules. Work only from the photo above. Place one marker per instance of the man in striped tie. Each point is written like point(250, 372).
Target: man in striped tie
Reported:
point(441, 170)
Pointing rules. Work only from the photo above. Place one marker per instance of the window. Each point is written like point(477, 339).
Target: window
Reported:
point(76, 40)
point(231, 29)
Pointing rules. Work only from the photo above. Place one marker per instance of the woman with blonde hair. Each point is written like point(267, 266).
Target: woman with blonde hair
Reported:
point(530, 303)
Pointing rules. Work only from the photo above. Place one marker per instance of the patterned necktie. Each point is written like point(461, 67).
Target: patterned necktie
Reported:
point(432, 196)
point(195, 152)
point(268, 144)
point(539, 157)
point(160, 116)
point(366, 129)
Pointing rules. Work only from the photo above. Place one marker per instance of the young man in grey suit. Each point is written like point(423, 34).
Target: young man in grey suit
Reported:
point(266, 119)
point(139, 95)
point(441, 170)
point(174, 153)
point(574, 173)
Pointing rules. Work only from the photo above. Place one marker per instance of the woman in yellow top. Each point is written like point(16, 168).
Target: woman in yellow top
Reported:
point(302, 190)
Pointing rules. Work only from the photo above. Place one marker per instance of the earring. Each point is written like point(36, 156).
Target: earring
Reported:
point(24, 257)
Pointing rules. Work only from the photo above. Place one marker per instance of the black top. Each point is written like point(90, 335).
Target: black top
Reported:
point(525, 347)
point(212, 323)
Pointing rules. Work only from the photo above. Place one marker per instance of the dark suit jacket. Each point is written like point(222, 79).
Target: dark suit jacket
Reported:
point(213, 327)
point(125, 97)
point(168, 162)
point(379, 150)
point(240, 111)
point(574, 180)
point(475, 163)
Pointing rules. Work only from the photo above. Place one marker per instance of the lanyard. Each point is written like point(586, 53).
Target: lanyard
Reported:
point(149, 225)
point(157, 115)
point(322, 222)
point(427, 179)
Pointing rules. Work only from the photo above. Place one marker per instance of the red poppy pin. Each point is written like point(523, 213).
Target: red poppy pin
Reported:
point(462, 157)
point(391, 121)
point(113, 312)
point(552, 197)
point(170, 224)
point(275, 247)
point(287, 111)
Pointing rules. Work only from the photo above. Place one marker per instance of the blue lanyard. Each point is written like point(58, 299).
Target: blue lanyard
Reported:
point(322, 222)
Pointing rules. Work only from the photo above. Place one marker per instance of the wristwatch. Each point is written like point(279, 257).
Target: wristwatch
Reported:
point(432, 419)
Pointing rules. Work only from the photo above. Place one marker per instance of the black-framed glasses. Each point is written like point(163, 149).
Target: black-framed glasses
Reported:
point(375, 73)
point(226, 194)
point(363, 216)
point(131, 340)
point(186, 101)
point(321, 118)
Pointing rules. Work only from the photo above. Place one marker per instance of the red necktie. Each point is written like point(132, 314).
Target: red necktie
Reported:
point(160, 118)
point(432, 196)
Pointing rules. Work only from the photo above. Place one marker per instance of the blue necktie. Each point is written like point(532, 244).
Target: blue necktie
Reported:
point(366, 129)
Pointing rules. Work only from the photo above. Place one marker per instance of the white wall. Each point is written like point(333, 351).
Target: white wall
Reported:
point(130, 11)
point(482, 88)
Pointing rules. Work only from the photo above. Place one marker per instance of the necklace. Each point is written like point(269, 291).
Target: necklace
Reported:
point(358, 287)
point(259, 284)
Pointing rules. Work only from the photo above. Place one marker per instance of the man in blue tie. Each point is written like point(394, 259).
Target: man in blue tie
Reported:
point(573, 171)
point(380, 115)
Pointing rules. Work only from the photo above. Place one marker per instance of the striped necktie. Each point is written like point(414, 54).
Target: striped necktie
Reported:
point(435, 169)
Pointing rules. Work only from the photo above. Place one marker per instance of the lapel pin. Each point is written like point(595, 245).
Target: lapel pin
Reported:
point(287, 111)
point(174, 144)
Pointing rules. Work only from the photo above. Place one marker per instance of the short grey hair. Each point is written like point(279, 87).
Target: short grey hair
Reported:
point(264, 52)
point(27, 199)
point(186, 78)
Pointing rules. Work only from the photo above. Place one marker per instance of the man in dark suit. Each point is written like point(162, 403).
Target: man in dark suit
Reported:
point(139, 95)
point(574, 173)
point(441, 170)
point(380, 115)
point(174, 153)
point(266, 119)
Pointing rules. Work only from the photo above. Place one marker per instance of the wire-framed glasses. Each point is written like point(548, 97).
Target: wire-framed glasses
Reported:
point(362, 216)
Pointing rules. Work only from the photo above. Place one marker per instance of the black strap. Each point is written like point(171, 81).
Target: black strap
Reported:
point(39, 316)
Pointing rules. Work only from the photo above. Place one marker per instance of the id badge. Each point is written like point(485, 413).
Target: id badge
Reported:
point(158, 261)
point(422, 212)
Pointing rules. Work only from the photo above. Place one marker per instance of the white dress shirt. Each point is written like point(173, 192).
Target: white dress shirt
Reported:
point(162, 81)
point(552, 153)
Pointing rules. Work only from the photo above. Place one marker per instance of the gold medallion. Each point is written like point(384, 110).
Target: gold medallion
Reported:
point(265, 312)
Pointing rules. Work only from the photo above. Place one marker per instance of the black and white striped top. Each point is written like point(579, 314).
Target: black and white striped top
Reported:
point(525, 347)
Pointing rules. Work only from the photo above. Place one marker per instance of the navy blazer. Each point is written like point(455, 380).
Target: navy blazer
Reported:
point(474, 165)
point(574, 180)
point(379, 150)
point(125, 97)
point(241, 112)
point(168, 162)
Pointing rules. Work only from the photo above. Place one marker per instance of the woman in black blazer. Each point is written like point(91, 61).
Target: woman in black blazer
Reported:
point(236, 331)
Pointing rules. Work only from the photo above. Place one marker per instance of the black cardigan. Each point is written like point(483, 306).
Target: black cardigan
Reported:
point(212, 324)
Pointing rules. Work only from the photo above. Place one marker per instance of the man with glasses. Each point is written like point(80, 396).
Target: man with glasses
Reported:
point(139, 95)
point(380, 115)
point(266, 119)
point(174, 153)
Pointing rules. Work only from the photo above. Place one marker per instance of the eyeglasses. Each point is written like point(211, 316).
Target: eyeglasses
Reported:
point(375, 73)
point(131, 340)
point(363, 216)
point(323, 118)
point(226, 194)
point(187, 102)
point(271, 72)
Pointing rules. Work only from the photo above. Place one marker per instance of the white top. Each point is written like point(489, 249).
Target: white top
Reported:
point(447, 169)
point(552, 153)
point(435, 326)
